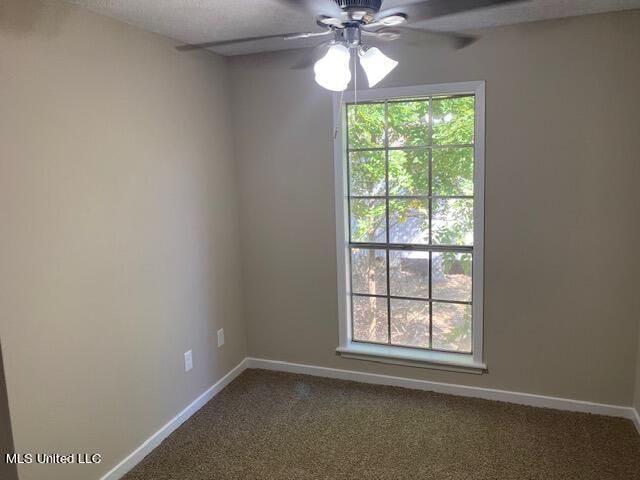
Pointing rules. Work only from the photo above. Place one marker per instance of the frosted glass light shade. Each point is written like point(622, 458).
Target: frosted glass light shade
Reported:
point(376, 65)
point(332, 71)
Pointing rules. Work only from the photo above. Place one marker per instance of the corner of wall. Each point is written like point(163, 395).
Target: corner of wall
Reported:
point(636, 397)
point(150, 201)
point(7, 471)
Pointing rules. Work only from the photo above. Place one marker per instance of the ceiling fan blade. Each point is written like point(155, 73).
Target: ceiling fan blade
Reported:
point(419, 35)
point(326, 8)
point(428, 9)
point(295, 36)
point(223, 43)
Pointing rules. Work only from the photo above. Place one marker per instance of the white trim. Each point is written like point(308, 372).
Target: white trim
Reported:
point(530, 399)
point(154, 440)
point(342, 223)
point(373, 94)
point(636, 419)
point(410, 357)
point(478, 226)
point(477, 88)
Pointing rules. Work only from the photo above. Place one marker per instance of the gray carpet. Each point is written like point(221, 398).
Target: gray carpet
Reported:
point(269, 425)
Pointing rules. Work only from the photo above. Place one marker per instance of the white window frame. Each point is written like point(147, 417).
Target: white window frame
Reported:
point(471, 363)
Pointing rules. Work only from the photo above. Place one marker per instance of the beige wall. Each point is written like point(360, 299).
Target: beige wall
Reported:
point(561, 226)
point(119, 246)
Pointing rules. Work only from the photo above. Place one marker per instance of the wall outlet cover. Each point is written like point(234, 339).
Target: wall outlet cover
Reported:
point(220, 337)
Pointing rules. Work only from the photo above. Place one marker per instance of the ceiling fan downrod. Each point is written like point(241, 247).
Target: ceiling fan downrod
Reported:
point(350, 36)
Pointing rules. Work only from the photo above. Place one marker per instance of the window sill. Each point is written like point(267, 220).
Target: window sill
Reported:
point(456, 362)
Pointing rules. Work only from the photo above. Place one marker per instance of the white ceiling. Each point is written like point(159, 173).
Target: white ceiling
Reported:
point(194, 21)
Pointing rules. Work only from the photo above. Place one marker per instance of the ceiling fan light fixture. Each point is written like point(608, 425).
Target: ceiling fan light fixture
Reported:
point(376, 65)
point(332, 71)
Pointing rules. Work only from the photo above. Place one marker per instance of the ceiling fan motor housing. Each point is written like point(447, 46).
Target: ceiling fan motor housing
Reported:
point(372, 6)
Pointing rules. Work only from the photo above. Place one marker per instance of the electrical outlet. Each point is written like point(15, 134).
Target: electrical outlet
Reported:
point(220, 337)
point(188, 361)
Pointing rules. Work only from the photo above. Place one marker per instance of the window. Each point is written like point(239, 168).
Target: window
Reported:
point(409, 203)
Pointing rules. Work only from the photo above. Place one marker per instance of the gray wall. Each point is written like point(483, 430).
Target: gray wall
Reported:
point(561, 205)
point(119, 246)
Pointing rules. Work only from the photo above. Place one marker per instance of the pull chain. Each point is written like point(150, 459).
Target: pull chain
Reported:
point(338, 114)
point(355, 77)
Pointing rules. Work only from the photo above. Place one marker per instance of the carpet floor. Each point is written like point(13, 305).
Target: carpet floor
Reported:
point(270, 425)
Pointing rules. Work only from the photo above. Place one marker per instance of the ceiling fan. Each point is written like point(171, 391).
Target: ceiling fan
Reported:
point(352, 25)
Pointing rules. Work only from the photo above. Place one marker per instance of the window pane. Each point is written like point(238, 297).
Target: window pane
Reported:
point(410, 323)
point(408, 123)
point(409, 273)
point(408, 172)
point(369, 319)
point(366, 125)
point(368, 223)
point(451, 276)
point(367, 173)
point(453, 221)
point(453, 120)
point(452, 327)
point(452, 171)
point(409, 221)
point(369, 271)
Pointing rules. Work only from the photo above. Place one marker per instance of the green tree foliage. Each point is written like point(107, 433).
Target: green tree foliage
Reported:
point(408, 169)
point(366, 125)
point(453, 120)
point(408, 123)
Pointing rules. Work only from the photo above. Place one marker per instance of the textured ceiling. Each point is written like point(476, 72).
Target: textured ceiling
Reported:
point(194, 21)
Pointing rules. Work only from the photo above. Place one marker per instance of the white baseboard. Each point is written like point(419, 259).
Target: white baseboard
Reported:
point(533, 400)
point(451, 389)
point(636, 419)
point(154, 440)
